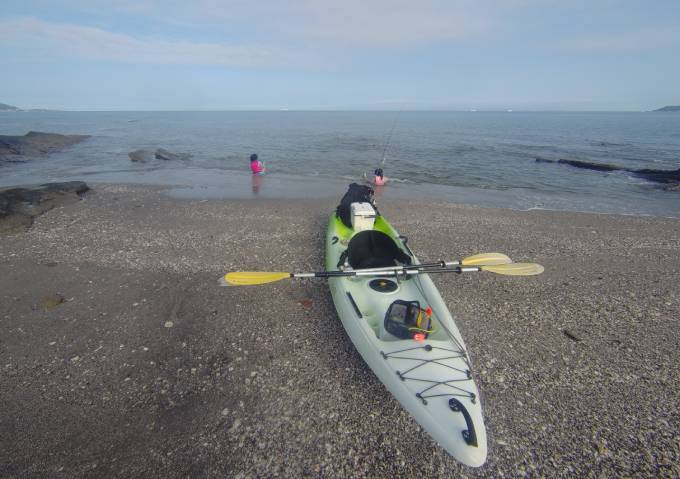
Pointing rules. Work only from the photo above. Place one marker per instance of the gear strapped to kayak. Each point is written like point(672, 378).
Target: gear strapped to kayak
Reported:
point(372, 249)
point(406, 320)
point(356, 193)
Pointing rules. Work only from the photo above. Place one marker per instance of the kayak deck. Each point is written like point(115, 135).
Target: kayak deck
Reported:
point(432, 377)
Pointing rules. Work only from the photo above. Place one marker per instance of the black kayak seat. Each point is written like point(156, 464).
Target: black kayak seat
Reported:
point(374, 249)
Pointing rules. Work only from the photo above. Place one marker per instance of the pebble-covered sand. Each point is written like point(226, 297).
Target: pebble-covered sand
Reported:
point(121, 356)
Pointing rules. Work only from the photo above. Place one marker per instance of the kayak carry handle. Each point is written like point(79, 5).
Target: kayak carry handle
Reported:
point(404, 241)
point(469, 434)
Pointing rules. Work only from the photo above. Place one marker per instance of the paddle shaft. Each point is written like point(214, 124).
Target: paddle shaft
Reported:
point(434, 264)
point(396, 271)
point(485, 258)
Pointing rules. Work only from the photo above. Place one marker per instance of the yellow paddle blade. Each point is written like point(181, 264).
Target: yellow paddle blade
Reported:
point(251, 278)
point(515, 269)
point(486, 259)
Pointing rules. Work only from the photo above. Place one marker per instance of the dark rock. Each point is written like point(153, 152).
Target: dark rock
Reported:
point(669, 178)
point(669, 108)
point(35, 144)
point(590, 166)
point(658, 176)
point(141, 156)
point(162, 154)
point(18, 206)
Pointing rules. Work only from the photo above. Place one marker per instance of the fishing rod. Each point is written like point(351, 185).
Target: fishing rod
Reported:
point(389, 138)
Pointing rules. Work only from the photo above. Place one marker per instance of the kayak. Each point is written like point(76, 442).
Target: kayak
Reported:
point(405, 333)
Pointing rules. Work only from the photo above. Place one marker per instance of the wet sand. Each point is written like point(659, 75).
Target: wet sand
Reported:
point(120, 356)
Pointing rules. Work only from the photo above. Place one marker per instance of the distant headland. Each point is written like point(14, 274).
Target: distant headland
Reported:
point(6, 107)
point(670, 108)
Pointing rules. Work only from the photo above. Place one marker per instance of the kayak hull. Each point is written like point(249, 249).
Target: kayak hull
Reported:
point(431, 378)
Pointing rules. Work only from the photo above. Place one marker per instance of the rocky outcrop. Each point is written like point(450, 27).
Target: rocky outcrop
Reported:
point(35, 144)
point(587, 165)
point(540, 159)
point(18, 206)
point(669, 178)
point(590, 166)
point(166, 155)
point(142, 156)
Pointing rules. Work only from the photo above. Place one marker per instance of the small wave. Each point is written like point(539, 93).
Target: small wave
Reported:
point(230, 157)
point(124, 170)
point(399, 180)
point(608, 144)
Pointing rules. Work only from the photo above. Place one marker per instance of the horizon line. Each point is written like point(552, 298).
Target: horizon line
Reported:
point(328, 110)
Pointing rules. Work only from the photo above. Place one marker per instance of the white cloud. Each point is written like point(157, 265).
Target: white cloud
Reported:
point(367, 22)
point(348, 22)
point(49, 40)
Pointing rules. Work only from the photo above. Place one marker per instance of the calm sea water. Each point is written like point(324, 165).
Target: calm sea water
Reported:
point(484, 158)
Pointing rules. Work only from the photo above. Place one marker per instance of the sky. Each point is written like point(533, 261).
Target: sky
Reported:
point(340, 55)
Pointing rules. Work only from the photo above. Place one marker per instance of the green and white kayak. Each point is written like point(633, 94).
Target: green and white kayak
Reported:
point(428, 372)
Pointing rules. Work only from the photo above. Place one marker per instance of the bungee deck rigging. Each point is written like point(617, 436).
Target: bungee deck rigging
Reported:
point(439, 361)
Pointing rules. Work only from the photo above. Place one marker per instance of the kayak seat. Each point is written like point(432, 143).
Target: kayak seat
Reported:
point(374, 249)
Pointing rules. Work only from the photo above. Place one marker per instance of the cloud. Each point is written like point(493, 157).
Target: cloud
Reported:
point(627, 41)
point(379, 23)
point(373, 23)
point(385, 23)
point(48, 40)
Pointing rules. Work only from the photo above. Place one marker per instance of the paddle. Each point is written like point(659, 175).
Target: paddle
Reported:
point(244, 278)
point(250, 278)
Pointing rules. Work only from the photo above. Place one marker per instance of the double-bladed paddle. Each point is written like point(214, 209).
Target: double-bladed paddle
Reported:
point(492, 262)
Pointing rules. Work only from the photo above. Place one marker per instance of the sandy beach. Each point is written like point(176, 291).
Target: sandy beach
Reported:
point(121, 356)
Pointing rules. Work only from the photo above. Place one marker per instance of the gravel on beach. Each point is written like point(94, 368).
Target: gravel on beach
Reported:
point(121, 356)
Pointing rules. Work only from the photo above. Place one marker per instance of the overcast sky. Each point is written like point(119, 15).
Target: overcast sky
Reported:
point(343, 54)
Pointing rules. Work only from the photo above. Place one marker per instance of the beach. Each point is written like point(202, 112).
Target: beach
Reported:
point(121, 356)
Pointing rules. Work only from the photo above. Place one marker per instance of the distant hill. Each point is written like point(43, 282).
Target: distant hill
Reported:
point(670, 108)
point(4, 107)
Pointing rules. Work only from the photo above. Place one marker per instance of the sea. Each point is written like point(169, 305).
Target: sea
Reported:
point(471, 157)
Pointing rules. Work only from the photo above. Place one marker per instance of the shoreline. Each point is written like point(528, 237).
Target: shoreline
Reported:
point(320, 191)
point(147, 367)
point(235, 185)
